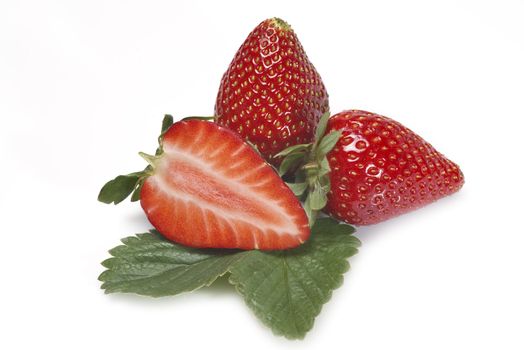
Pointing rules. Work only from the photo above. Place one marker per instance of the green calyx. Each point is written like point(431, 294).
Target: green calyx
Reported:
point(151, 160)
point(119, 188)
point(280, 24)
point(310, 167)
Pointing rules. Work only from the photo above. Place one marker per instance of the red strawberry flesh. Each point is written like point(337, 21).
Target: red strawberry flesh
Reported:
point(210, 189)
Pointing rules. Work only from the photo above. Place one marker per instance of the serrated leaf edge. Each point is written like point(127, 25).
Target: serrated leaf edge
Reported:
point(238, 287)
point(275, 331)
point(114, 256)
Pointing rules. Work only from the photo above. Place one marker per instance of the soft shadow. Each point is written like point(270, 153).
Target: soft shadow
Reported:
point(137, 218)
point(142, 300)
point(367, 234)
point(220, 287)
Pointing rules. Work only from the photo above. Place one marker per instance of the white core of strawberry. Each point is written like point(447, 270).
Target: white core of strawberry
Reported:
point(165, 176)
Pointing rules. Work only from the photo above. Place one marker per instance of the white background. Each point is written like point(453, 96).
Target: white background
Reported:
point(84, 86)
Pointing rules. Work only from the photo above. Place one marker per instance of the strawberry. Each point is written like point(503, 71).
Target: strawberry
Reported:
point(205, 187)
point(271, 94)
point(369, 168)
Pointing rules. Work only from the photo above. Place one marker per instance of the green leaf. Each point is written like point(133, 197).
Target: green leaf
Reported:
point(293, 149)
point(148, 264)
point(286, 289)
point(118, 189)
point(298, 188)
point(292, 160)
point(321, 127)
point(327, 143)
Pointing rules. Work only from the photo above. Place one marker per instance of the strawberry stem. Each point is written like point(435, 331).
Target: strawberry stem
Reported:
point(310, 166)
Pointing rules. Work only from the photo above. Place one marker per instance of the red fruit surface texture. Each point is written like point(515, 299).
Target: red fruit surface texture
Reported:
point(271, 94)
point(381, 169)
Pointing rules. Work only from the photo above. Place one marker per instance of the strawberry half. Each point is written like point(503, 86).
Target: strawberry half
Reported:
point(271, 94)
point(205, 187)
point(368, 168)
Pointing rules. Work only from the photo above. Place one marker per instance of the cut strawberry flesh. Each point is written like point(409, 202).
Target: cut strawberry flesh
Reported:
point(210, 189)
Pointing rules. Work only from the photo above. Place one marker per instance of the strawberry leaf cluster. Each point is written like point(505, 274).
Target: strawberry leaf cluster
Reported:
point(285, 289)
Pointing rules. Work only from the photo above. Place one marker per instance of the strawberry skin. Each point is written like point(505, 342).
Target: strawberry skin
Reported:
point(210, 189)
point(271, 94)
point(381, 169)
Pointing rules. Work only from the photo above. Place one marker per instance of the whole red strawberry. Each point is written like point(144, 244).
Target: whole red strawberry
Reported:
point(381, 169)
point(271, 94)
point(369, 168)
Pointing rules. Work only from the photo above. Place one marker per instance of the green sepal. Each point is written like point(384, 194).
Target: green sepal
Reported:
point(324, 168)
point(321, 127)
point(118, 189)
point(298, 188)
point(136, 193)
point(302, 147)
point(291, 161)
point(327, 143)
point(166, 123)
point(310, 213)
point(325, 184)
point(315, 169)
point(317, 196)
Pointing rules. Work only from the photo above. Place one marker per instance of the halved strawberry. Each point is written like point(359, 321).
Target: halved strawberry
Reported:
point(207, 188)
